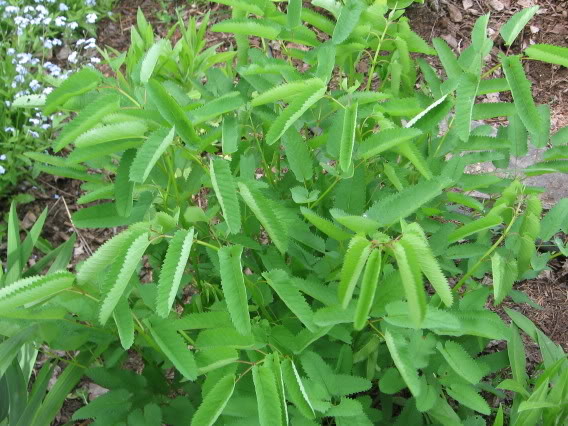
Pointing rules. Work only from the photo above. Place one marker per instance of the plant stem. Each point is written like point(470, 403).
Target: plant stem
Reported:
point(205, 244)
point(322, 196)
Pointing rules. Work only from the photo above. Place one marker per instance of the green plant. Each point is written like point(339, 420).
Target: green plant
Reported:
point(314, 253)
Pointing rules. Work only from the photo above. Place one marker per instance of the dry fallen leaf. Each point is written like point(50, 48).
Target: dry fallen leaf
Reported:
point(497, 5)
point(467, 4)
point(455, 14)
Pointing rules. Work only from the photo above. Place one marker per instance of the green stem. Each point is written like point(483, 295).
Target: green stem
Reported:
point(322, 196)
point(205, 244)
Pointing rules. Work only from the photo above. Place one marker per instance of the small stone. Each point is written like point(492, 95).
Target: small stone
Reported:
point(534, 29)
point(497, 5)
point(455, 14)
point(467, 4)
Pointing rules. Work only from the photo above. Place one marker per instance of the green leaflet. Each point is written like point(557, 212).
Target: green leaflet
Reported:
point(293, 13)
point(447, 57)
point(175, 349)
point(266, 215)
point(517, 356)
point(478, 225)
point(88, 118)
point(77, 83)
point(11, 346)
point(465, 98)
point(248, 6)
point(547, 53)
point(287, 92)
point(294, 111)
point(234, 290)
point(348, 136)
point(324, 225)
point(216, 107)
point(228, 336)
point(521, 90)
point(125, 266)
point(401, 205)
point(416, 239)
point(556, 219)
point(467, 395)
point(504, 275)
point(33, 289)
point(124, 323)
point(172, 270)
point(461, 362)
point(79, 155)
point(269, 409)
point(104, 215)
point(319, 21)
point(263, 28)
point(412, 153)
point(408, 267)
point(402, 361)
point(199, 320)
point(291, 296)
point(214, 358)
point(368, 288)
point(385, 140)
point(516, 23)
point(116, 400)
point(99, 261)
point(172, 112)
point(151, 59)
point(150, 152)
point(298, 156)
point(123, 187)
point(277, 370)
point(226, 192)
point(353, 263)
point(230, 134)
point(295, 389)
point(347, 20)
point(111, 133)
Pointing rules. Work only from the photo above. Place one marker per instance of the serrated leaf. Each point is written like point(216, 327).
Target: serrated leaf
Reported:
point(216, 107)
point(114, 400)
point(74, 85)
point(521, 90)
point(172, 112)
point(385, 140)
point(175, 349)
point(557, 55)
point(124, 323)
point(353, 263)
point(230, 134)
point(468, 396)
point(291, 296)
point(516, 23)
point(298, 155)
point(227, 336)
point(287, 92)
point(172, 270)
point(214, 403)
point(199, 320)
point(295, 389)
point(234, 290)
point(461, 362)
point(128, 263)
point(412, 281)
point(151, 59)
point(478, 225)
point(347, 20)
point(401, 205)
point(33, 289)
point(123, 187)
point(214, 358)
point(368, 288)
point(324, 225)
point(465, 98)
point(269, 409)
point(348, 136)
point(266, 215)
point(105, 254)
point(150, 152)
point(88, 118)
point(447, 57)
point(226, 192)
point(263, 28)
point(517, 357)
point(293, 13)
point(504, 275)
point(294, 111)
point(403, 362)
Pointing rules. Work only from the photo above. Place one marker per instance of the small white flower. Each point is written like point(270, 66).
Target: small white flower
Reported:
point(91, 18)
point(34, 85)
point(63, 7)
point(34, 121)
point(10, 129)
point(80, 42)
point(72, 58)
point(2, 170)
point(33, 134)
point(95, 60)
point(11, 51)
point(47, 90)
point(47, 21)
point(60, 21)
point(90, 2)
point(3, 157)
point(72, 25)
point(56, 196)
